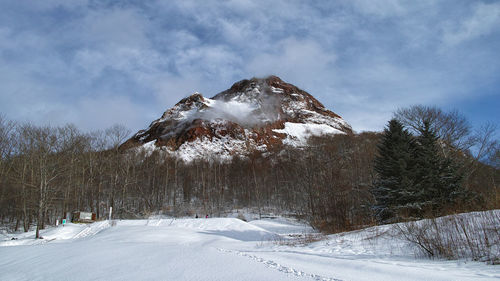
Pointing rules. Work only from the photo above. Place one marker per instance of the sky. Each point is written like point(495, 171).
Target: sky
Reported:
point(99, 63)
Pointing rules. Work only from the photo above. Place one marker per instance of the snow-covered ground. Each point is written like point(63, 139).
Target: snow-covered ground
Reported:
point(219, 249)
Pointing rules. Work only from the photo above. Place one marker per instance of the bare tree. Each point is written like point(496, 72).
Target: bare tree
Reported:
point(42, 148)
point(451, 127)
point(485, 143)
point(116, 135)
point(6, 151)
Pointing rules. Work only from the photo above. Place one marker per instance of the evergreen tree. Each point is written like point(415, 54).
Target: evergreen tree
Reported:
point(438, 183)
point(394, 187)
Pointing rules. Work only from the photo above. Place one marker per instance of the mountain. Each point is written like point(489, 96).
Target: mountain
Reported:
point(256, 114)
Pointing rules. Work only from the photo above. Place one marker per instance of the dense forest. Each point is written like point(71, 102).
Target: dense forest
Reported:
point(334, 183)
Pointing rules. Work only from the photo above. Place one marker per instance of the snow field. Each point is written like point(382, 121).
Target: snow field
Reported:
point(220, 249)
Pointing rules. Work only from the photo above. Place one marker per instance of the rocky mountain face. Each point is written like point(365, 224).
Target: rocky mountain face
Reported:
point(255, 114)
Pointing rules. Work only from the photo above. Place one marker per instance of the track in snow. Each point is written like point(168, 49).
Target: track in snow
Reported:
point(93, 229)
point(279, 267)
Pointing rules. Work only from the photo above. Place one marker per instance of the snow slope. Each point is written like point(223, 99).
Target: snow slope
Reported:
point(219, 249)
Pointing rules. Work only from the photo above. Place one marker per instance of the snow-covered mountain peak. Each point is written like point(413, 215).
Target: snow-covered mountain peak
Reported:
point(254, 114)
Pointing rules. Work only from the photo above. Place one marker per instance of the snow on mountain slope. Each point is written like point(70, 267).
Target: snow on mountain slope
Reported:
point(297, 134)
point(255, 114)
point(226, 249)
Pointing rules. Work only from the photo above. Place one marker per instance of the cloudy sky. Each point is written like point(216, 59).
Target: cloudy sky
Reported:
point(94, 63)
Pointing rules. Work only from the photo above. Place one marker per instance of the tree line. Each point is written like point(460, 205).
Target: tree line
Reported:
point(48, 172)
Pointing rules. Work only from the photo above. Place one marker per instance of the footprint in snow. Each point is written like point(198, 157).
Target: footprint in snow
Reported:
point(277, 266)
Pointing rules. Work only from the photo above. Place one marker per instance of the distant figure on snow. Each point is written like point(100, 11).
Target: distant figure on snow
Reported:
point(206, 216)
point(196, 215)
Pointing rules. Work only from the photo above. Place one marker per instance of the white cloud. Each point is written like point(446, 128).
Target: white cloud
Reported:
point(103, 112)
point(362, 59)
point(138, 62)
point(113, 27)
point(169, 89)
point(300, 61)
point(209, 61)
point(380, 8)
point(484, 20)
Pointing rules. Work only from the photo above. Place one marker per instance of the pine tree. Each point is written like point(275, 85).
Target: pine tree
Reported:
point(438, 183)
point(394, 187)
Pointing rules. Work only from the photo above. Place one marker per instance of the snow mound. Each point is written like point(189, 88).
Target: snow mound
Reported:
point(66, 232)
point(227, 227)
point(282, 226)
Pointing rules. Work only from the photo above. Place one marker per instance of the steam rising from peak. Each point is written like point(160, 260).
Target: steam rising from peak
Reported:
point(243, 112)
point(235, 111)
